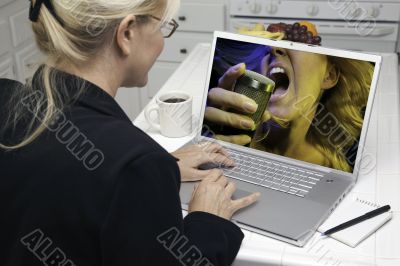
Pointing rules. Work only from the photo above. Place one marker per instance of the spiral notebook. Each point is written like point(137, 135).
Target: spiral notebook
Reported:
point(351, 208)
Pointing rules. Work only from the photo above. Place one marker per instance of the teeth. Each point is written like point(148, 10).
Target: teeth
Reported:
point(276, 70)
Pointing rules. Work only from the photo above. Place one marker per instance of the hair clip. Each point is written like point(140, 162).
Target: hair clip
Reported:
point(34, 10)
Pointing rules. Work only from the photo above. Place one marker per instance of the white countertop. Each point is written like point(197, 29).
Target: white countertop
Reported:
point(381, 185)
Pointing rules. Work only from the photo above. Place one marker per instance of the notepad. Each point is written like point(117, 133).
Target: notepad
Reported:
point(349, 209)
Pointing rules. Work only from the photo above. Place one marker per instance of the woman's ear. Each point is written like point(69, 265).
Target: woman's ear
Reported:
point(331, 77)
point(125, 35)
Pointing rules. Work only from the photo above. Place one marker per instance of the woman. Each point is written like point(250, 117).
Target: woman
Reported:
point(80, 184)
point(309, 89)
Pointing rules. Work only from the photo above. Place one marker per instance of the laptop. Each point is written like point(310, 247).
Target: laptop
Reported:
point(307, 153)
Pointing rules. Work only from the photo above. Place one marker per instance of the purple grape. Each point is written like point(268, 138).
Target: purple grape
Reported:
point(303, 29)
point(317, 40)
point(295, 32)
point(303, 37)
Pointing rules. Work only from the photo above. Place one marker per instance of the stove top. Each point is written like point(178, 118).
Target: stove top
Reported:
point(378, 10)
point(339, 1)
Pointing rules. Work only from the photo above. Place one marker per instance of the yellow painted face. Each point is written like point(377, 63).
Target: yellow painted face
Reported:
point(298, 75)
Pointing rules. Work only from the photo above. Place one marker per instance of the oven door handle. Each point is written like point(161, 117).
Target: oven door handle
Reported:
point(343, 31)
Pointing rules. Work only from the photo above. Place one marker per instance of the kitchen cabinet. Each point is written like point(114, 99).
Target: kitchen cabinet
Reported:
point(20, 57)
point(197, 19)
point(6, 68)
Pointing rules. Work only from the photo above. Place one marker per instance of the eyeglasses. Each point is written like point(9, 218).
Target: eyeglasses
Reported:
point(167, 28)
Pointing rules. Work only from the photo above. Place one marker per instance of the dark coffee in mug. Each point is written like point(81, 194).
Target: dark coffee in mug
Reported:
point(174, 111)
point(174, 100)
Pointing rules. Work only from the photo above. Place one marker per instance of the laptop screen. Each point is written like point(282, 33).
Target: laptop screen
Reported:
point(302, 105)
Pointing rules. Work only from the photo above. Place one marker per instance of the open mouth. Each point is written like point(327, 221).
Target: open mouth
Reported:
point(281, 79)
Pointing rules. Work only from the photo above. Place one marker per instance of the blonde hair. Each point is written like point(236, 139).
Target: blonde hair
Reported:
point(345, 102)
point(79, 33)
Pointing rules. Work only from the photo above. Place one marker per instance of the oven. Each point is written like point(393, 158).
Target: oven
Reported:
point(348, 24)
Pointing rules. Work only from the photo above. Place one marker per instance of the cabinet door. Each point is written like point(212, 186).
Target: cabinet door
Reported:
point(21, 30)
point(6, 69)
point(201, 17)
point(28, 60)
point(158, 75)
point(4, 2)
point(5, 43)
point(181, 44)
point(129, 100)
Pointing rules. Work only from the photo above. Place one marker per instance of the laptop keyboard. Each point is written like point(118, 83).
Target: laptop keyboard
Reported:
point(273, 175)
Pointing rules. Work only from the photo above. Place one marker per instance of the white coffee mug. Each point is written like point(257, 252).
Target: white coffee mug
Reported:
point(174, 112)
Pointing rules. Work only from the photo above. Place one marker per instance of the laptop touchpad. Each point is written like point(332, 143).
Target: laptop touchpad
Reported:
point(187, 189)
point(239, 193)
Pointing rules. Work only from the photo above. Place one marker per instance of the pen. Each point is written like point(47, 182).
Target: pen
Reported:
point(357, 220)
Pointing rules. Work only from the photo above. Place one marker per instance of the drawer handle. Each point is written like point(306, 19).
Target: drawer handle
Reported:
point(183, 51)
point(182, 18)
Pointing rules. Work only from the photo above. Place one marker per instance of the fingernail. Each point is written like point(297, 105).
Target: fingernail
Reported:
point(240, 67)
point(250, 107)
point(247, 124)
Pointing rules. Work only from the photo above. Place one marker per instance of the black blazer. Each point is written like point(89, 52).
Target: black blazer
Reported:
point(94, 190)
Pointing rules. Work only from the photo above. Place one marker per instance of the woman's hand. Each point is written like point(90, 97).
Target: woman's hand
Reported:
point(223, 98)
point(214, 195)
point(191, 157)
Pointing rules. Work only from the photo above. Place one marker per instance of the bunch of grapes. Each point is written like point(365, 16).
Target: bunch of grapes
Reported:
point(295, 33)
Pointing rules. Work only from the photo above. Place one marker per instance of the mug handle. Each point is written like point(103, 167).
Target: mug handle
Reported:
point(147, 115)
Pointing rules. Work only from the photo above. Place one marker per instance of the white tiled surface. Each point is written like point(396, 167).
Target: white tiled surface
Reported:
point(381, 184)
point(390, 185)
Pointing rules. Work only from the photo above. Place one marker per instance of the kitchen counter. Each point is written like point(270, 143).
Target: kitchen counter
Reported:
point(381, 185)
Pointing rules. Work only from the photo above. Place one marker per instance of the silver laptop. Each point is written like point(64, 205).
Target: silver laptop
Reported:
point(306, 153)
